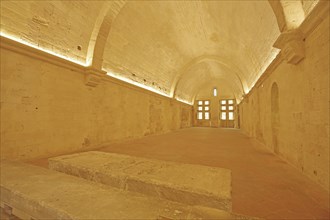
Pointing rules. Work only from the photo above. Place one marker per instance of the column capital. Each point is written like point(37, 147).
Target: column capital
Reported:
point(292, 45)
point(93, 77)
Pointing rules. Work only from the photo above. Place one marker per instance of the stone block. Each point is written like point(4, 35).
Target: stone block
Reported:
point(185, 183)
point(32, 192)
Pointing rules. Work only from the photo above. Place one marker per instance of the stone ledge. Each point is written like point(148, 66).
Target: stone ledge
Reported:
point(184, 183)
point(38, 193)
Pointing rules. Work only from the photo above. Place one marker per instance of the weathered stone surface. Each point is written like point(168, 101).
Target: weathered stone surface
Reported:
point(47, 110)
point(190, 184)
point(45, 194)
point(301, 135)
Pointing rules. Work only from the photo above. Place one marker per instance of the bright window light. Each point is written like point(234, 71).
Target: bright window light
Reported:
point(200, 108)
point(207, 108)
point(223, 116)
point(230, 102)
point(231, 108)
point(215, 92)
point(223, 102)
point(231, 116)
point(200, 115)
point(207, 115)
point(206, 102)
point(223, 108)
point(200, 102)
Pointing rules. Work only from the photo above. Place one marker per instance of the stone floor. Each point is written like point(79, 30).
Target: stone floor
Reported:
point(263, 185)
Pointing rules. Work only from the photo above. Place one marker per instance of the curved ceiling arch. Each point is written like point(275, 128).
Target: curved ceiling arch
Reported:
point(101, 31)
point(279, 14)
point(293, 12)
point(207, 72)
point(281, 10)
point(227, 66)
point(61, 27)
point(172, 34)
point(155, 43)
point(221, 83)
point(205, 89)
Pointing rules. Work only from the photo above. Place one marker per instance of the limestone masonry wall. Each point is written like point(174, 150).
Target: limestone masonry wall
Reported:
point(47, 110)
point(289, 110)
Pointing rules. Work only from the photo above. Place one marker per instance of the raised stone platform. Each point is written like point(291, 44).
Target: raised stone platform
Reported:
point(184, 183)
point(31, 192)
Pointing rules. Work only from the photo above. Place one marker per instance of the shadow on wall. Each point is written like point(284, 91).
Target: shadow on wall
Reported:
point(275, 120)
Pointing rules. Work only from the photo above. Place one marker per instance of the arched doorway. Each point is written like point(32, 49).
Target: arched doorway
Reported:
point(275, 117)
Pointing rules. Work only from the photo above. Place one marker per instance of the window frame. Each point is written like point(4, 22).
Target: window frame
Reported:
point(227, 108)
point(203, 104)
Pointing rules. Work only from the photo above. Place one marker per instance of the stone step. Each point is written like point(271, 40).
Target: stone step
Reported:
point(184, 183)
point(31, 192)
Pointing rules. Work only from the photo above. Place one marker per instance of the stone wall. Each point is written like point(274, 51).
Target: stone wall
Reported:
point(46, 109)
point(289, 110)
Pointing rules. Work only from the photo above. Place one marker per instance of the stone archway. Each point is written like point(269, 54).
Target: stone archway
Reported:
point(275, 117)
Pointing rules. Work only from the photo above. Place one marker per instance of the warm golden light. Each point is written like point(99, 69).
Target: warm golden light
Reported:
point(14, 38)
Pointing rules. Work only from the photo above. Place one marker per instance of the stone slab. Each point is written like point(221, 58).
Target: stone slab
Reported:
point(184, 183)
point(45, 194)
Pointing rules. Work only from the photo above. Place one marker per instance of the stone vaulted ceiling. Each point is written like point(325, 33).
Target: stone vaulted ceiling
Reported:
point(177, 47)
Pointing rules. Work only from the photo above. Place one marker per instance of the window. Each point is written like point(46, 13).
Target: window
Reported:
point(203, 110)
point(227, 109)
point(231, 115)
point(215, 92)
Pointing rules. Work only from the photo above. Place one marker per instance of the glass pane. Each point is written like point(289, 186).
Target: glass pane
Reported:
point(207, 108)
point(206, 102)
point(215, 92)
point(230, 102)
point(200, 102)
point(223, 116)
point(231, 116)
point(231, 108)
point(200, 115)
point(223, 102)
point(207, 115)
point(200, 108)
point(223, 108)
